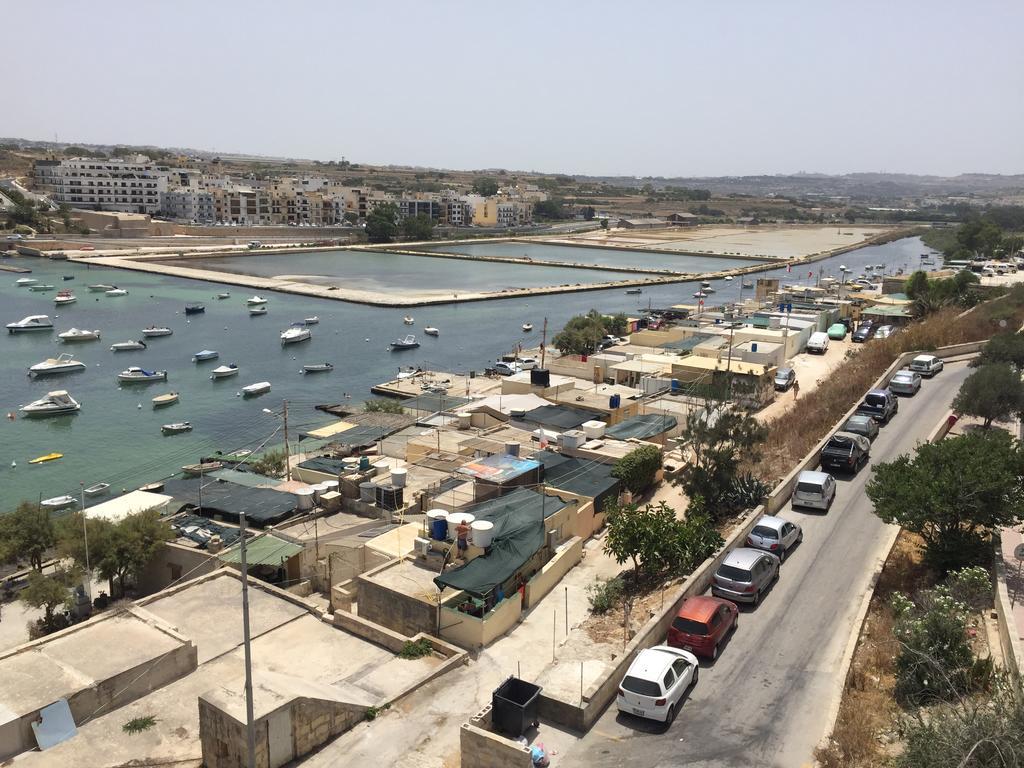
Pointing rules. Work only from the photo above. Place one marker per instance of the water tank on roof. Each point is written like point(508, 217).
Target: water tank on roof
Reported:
point(367, 491)
point(465, 419)
point(540, 377)
point(389, 497)
point(753, 346)
point(398, 477)
point(483, 533)
point(572, 438)
point(304, 499)
point(593, 429)
point(511, 448)
point(614, 401)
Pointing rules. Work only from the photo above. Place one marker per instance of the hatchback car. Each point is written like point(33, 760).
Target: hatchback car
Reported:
point(775, 535)
point(845, 452)
point(701, 625)
point(506, 369)
point(864, 332)
point(884, 331)
point(656, 681)
point(837, 331)
point(860, 424)
point(905, 382)
point(784, 378)
point(744, 574)
point(926, 365)
point(813, 490)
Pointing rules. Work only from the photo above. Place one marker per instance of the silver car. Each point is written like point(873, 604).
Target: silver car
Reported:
point(775, 535)
point(744, 575)
point(905, 382)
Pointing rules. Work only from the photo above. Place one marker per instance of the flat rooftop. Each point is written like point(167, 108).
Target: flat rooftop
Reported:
point(409, 578)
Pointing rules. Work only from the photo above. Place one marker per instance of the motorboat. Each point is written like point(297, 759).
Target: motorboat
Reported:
point(63, 363)
point(708, 290)
point(117, 292)
point(705, 284)
point(204, 355)
point(163, 400)
point(880, 266)
point(431, 331)
point(21, 282)
point(409, 342)
point(259, 388)
point(699, 295)
point(295, 334)
point(101, 288)
point(58, 502)
point(203, 468)
point(194, 309)
point(257, 310)
point(224, 295)
point(67, 277)
point(527, 327)
point(409, 320)
point(314, 320)
point(31, 323)
point(176, 428)
point(127, 346)
point(96, 490)
point(318, 368)
point(407, 373)
point(56, 403)
point(634, 290)
point(727, 277)
point(154, 487)
point(154, 331)
point(223, 371)
point(64, 297)
point(255, 301)
point(40, 288)
point(78, 334)
point(134, 374)
point(46, 457)
point(747, 284)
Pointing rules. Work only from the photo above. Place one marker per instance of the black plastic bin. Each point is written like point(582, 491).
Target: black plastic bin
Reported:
point(514, 707)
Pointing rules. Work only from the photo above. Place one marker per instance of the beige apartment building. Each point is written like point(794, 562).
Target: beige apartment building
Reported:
point(132, 185)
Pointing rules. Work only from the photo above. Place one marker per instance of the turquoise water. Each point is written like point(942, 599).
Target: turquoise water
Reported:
point(603, 256)
point(111, 440)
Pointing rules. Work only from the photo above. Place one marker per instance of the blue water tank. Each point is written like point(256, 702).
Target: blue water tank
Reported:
point(439, 529)
point(614, 401)
point(675, 385)
point(753, 346)
point(364, 463)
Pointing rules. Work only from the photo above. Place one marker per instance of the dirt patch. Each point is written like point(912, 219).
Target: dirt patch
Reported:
point(611, 628)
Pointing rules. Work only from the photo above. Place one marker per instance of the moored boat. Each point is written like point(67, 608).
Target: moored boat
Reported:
point(156, 330)
point(205, 354)
point(255, 301)
point(311, 320)
point(432, 331)
point(127, 346)
point(259, 388)
point(527, 327)
point(747, 284)
point(46, 458)
point(634, 290)
point(199, 469)
point(78, 334)
point(58, 502)
point(298, 332)
point(63, 363)
point(96, 490)
point(162, 400)
point(409, 342)
point(116, 292)
point(224, 295)
point(31, 323)
point(67, 277)
point(223, 371)
point(40, 288)
point(64, 297)
point(176, 428)
point(318, 368)
point(21, 282)
point(194, 309)
point(409, 320)
point(56, 403)
point(101, 287)
point(134, 374)
point(257, 311)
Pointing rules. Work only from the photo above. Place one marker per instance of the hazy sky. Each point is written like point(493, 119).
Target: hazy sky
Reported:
point(645, 88)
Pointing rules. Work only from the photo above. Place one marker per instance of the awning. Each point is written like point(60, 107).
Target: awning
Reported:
point(263, 550)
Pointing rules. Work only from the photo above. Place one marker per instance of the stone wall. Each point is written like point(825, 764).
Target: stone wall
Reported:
point(173, 562)
point(483, 749)
point(392, 609)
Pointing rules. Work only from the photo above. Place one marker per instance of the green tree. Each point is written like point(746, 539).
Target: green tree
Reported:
point(48, 593)
point(382, 223)
point(994, 392)
point(551, 210)
point(1002, 348)
point(954, 494)
point(65, 214)
point(351, 217)
point(485, 186)
point(637, 468)
point(27, 532)
point(419, 227)
point(980, 236)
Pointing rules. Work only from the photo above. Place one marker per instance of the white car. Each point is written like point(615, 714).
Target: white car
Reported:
point(656, 682)
point(527, 363)
point(775, 535)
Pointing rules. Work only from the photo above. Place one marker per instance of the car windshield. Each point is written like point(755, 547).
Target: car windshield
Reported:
point(765, 532)
point(640, 686)
point(875, 399)
point(807, 488)
point(689, 626)
point(733, 573)
point(856, 422)
point(902, 378)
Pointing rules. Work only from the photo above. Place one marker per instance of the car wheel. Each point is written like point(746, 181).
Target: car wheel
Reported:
point(735, 622)
point(714, 652)
point(800, 537)
point(670, 716)
point(696, 674)
point(782, 555)
point(757, 598)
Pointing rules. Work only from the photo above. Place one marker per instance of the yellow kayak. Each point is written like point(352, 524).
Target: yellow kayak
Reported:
point(47, 457)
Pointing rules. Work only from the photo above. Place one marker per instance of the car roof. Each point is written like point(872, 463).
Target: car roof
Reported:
point(860, 417)
point(858, 439)
point(904, 372)
point(651, 663)
point(783, 370)
point(772, 522)
point(838, 325)
point(743, 557)
point(929, 358)
point(700, 607)
point(812, 476)
point(878, 392)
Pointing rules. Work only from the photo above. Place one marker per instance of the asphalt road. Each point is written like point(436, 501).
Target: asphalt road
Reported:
point(767, 699)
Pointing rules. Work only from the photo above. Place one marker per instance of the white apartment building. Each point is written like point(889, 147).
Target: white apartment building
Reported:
point(188, 204)
point(132, 185)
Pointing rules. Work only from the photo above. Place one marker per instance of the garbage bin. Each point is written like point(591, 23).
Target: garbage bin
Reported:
point(514, 707)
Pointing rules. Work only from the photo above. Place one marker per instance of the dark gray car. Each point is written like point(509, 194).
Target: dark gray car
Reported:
point(860, 424)
point(744, 575)
point(784, 378)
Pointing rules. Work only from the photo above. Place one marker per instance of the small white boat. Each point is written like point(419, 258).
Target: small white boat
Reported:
point(21, 282)
point(206, 354)
point(58, 502)
point(127, 346)
point(55, 403)
point(259, 388)
point(408, 372)
point(117, 292)
point(409, 320)
point(78, 334)
point(154, 331)
point(432, 331)
point(225, 295)
point(705, 284)
point(527, 327)
point(64, 297)
point(96, 490)
point(318, 368)
point(728, 277)
point(223, 371)
point(409, 342)
point(40, 288)
point(295, 334)
point(255, 301)
point(747, 284)
point(314, 320)
point(101, 288)
point(162, 400)
point(31, 323)
point(134, 374)
point(699, 295)
point(63, 363)
point(708, 290)
point(196, 470)
point(176, 428)
point(257, 310)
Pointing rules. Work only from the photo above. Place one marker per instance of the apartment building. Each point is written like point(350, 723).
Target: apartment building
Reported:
point(188, 204)
point(132, 185)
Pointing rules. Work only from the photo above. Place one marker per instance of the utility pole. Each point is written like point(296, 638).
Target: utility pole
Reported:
point(543, 342)
point(85, 535)
point(250, 726)
point(287, 453)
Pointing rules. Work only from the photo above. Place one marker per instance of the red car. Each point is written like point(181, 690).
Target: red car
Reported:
point(701, 624)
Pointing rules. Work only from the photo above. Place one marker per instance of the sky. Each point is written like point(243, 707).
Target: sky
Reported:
point(604, 88)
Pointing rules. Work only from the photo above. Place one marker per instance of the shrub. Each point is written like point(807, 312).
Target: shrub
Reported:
point(604, 595)
point(637, 468)
point(971, 586)
point(271, 463)
point(416, 649)
point(139, 724)
point(383, 406)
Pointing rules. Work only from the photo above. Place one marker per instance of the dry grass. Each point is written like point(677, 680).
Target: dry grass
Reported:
point(609, 629)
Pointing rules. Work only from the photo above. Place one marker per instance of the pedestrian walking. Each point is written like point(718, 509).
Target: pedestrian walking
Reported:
point(796, 389)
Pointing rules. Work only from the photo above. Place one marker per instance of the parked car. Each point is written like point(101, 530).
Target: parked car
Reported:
point(861, 425)
point(744, 574)
point(884, 332)
point(845, 452)
point(864, 332)
point(784, 379)
point(818, 343)
point(905, 382)
point(837, 331)
point(656, 681)
point(927, 365)
point(775, 535)
point(879, 404)
point(506, 369)
point(814, 490)
point(527, 363)
point(701, 624)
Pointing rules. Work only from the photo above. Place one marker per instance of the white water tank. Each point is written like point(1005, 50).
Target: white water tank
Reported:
point(328, 486)
point(304, 501)
point(593, 429)
point(460, 517)
point(483, 532)
point(775, 323)
point(350, 464)
point(398, 476)
point(572, 438)
point(465, 420)
point(380, 468)
point(367, 491)
point(317, 490)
